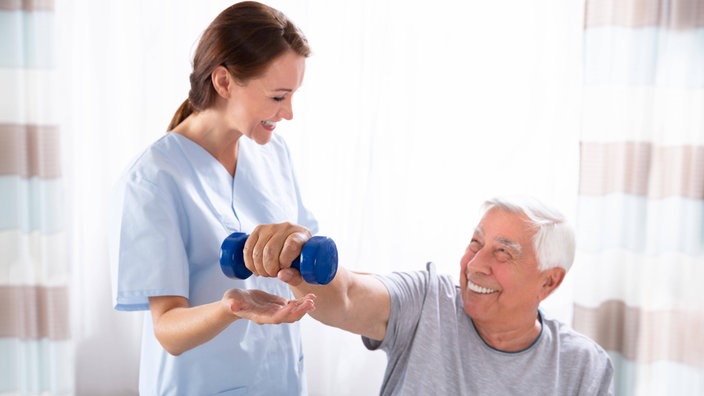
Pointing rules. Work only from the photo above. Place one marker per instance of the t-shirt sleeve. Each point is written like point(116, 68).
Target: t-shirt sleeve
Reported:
point(601, 373)
point(606, 385)
point(147, 249)
point(407, 291)
point(587, 363)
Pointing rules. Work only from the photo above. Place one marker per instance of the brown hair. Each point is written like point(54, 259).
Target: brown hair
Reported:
point(244, 38)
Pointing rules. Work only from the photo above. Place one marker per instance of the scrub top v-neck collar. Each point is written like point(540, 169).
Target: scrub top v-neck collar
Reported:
point(215, 180)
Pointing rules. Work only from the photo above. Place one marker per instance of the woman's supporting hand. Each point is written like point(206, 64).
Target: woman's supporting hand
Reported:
point(264, 308)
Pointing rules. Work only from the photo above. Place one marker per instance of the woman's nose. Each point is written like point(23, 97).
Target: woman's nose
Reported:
point(286, 111)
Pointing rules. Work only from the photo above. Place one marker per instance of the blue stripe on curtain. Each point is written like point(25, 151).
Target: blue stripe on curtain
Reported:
point(36, 365)
point(644, 56)
point(640, 224)
point(657, 378)
point(26, 39)
point(31, 204)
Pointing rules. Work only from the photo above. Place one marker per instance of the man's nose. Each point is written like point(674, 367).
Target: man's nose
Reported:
point(480, 262)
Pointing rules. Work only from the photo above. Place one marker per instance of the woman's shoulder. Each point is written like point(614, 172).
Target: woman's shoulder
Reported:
point(161, 157)
point(163, 148)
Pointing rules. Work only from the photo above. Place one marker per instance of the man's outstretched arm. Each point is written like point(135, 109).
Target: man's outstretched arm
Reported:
point(352, 301)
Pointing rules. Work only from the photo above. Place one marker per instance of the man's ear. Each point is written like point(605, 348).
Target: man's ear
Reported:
point(221, 79)
point(552, 278)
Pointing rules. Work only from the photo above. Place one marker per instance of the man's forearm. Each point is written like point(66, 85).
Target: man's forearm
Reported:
point(358, 303)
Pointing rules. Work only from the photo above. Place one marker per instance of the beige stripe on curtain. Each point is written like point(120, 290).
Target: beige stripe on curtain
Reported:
point(641, 168)
point(645, 336)
point(50, 304)
point(30, 150)
point(675, 15)
point(27, 5)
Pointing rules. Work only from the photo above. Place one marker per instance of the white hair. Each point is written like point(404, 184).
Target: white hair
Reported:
point(553, 241)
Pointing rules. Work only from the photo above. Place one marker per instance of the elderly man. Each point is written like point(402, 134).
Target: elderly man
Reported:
point(486, 336)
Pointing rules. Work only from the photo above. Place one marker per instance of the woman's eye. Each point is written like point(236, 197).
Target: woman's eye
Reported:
point(278, 98)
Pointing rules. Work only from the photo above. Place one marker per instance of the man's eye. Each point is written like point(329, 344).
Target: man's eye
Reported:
point(474, 245)
point(503, 255)
point(278, 98)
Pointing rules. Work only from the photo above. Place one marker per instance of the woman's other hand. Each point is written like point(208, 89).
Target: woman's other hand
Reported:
point(264, 308)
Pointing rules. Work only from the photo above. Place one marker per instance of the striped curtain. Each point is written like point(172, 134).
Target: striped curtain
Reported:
point(35, 344)
point(640, 220)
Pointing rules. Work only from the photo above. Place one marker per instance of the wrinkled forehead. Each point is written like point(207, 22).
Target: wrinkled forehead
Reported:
point(505, 226)
point(498, 238)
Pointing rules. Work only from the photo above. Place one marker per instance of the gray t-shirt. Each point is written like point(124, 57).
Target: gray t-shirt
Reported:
point(433, 348)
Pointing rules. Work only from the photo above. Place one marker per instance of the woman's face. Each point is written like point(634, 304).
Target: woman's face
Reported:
point(255, 107)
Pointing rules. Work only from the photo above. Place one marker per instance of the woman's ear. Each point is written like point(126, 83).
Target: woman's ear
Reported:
point(221, 79)
point(552, 278)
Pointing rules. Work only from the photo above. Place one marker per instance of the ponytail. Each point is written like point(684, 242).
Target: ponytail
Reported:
point(183, 111)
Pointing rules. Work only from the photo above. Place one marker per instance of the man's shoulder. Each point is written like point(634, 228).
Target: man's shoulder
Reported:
point(425, 279)
point(573, 343)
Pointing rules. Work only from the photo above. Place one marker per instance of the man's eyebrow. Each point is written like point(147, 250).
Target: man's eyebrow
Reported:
point(515, 246)
point(479, 231)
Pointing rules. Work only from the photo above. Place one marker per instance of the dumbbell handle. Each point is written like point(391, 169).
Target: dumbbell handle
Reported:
point(317, 262)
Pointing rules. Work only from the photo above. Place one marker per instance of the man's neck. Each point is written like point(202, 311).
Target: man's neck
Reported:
point(513, 339)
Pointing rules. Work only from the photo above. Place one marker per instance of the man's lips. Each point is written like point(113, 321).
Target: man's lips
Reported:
point(479, 289)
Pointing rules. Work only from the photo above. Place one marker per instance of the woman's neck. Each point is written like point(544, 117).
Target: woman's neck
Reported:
point(202, 128)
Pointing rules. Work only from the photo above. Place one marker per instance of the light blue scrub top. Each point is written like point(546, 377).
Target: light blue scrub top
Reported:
point(174, 206)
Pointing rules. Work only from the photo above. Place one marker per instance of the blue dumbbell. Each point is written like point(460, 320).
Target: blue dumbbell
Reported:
point(317, 262)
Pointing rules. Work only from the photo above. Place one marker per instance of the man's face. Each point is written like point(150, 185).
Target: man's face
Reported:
point(499, 278)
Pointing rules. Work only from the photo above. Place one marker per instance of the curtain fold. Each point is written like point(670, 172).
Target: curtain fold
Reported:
point(36, 354)
point(640, 210)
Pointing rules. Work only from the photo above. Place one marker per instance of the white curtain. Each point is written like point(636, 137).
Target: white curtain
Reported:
point(36, 352)
point(641, 193)
point(411, 114)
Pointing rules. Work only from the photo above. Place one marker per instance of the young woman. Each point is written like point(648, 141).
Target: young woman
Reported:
point(218, 170)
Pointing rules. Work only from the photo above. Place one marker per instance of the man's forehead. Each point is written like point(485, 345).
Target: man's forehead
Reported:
point(509, 230)
point(500, 238)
